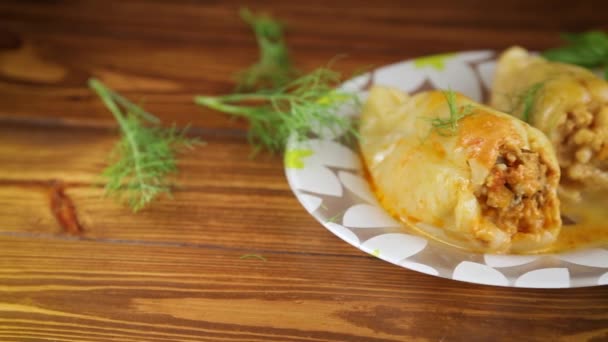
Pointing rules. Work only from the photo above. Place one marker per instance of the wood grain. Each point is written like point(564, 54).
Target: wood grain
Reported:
point(99, 290)
point(221, 191)
point(165, 61)
point(75, 266)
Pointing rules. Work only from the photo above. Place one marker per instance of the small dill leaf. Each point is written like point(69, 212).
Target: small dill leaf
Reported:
point(307, 102)
point(273, 68)
point(587, 49)
point(528, 99)
point(449, 126)
point(143, 158)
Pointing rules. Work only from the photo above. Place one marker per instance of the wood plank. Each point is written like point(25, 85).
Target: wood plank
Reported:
point(77, 267)
point(254, 220)
point(52, 50)
point(165, 293)
point(44, 153)
point(223, 196)
point(27, 209)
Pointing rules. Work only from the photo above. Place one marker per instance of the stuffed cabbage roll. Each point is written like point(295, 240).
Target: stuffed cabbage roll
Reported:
point(567, 103)
point(460, 171)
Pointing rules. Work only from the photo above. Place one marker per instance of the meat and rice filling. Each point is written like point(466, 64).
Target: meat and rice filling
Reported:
point(583, 149)
point(516, 192)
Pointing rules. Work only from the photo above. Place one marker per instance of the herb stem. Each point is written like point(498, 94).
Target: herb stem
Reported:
point(529, 98)
point(144, 156)
point(273, 68)
point(108, 97)
point(106, 93)
point(133, 108)
point(298, 107)
point(218, 103)
point(246, 97)
point(449, 126)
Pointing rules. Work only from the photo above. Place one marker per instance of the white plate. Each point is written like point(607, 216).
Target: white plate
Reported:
point(326, 176)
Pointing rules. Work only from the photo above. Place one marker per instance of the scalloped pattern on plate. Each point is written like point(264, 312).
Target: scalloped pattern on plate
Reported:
point(326, 176)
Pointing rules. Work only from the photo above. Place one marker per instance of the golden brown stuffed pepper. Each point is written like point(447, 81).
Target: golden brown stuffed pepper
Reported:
point(464, 174)
point(567, 103)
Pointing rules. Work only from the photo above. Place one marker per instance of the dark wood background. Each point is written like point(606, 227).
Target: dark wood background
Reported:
point(77, 267)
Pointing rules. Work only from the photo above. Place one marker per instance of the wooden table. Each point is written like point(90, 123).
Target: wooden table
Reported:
point(75, 266)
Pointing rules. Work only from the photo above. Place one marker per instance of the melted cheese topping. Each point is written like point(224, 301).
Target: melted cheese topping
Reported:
point(483, 133)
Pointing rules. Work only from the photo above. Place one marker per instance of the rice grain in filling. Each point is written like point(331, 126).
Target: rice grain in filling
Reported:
point(516, 190)
point(583, 147)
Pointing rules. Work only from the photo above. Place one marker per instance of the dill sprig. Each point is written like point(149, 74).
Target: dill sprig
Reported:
point(528, 98)
point(449, 126)
point(307, 102)
point(588, 49)
point(253, 256)
point(144, 157)
point(274, 68)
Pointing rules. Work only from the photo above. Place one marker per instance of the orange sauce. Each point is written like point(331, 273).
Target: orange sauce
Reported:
point(590, 227)
point(590, 216)
point(591, 224)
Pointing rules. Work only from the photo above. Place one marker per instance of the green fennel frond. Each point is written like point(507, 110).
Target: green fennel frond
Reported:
point(274, 68)
point(588, 49)
point(449, 126)
point(307, 102)
point(144, 157)
point(528, 98)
